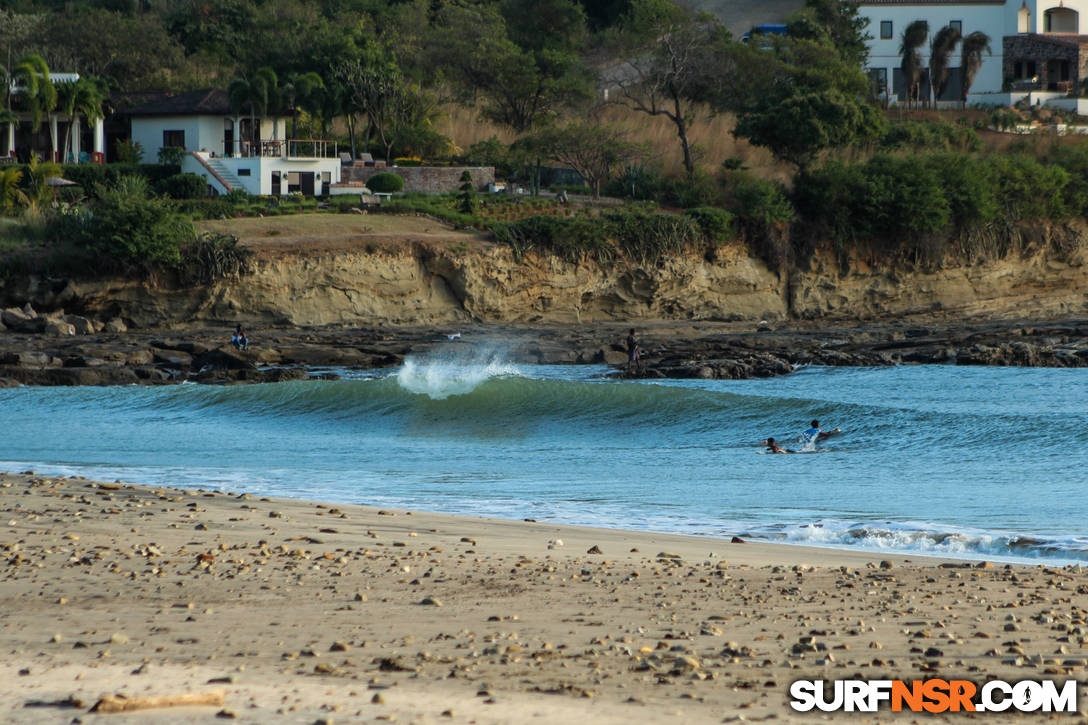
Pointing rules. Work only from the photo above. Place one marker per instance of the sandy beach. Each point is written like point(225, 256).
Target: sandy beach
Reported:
point(305, 612)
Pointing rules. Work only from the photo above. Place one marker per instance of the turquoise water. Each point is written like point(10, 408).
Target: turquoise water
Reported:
point(974, 462)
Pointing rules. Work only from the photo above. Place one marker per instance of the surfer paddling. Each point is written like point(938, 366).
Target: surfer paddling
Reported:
point(814, 434)
point(773, 447)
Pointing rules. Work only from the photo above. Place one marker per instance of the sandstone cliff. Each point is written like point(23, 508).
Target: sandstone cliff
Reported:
point(428, 282)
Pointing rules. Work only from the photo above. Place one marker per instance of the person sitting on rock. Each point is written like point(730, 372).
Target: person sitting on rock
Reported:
point(239, 339)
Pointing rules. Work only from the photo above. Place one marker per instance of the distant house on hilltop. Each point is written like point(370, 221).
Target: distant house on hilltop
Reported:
point(1039, 47)
point(233, 151)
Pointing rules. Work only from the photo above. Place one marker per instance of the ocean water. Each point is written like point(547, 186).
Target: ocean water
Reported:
point(962, 461)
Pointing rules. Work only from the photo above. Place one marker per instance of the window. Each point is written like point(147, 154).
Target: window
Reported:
point(173, 139)
point(885, 29)
point(244, 172)
point(956, 25)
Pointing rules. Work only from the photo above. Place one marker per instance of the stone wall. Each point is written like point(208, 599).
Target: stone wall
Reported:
point(1041, 49)
point(430, 179)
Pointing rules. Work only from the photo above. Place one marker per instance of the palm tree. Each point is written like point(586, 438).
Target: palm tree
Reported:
point(259, 91)
point(944, 42)
point(971, 59)
point(39, 172)
point(83, 97)
point(300, 90)
point(11, 196)
point(914, 37)
point(39, 93)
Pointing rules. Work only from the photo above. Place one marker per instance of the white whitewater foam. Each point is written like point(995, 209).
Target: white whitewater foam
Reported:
point(443, 374)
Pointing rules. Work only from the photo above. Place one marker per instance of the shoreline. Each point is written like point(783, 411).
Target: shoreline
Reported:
point(64, 471)
point(748, 538)
point(301, 611)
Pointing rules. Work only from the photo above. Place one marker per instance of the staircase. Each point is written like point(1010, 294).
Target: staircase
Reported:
point(226, 175)
point(223, 177)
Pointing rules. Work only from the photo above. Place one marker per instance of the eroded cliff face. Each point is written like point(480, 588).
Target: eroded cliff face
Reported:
point(427, 282)
point(1033, 286)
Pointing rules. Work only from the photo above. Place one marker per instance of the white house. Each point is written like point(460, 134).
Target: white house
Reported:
point(1039, 47)
point(233, 151)
point(86, 144)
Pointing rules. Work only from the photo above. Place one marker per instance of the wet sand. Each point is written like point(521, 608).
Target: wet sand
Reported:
point(304, 612)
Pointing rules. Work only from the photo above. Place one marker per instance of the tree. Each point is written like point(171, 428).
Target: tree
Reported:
point(393, 104)
point(810, 99)
point(31, 74)
point(131, 52)
point(82, 97)
point(675, 58)
point(467, 200)
point(591, 149)
point(38, 174)
point(944, 42)
point(971, 59)
point(300, 89)
point(258, 90)
point(521, 86)
point(836, 22)
point(914, 36)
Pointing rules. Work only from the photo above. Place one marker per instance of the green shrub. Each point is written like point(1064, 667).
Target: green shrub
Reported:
point(685, 193)
point(171, 155)
point(344, 204)
point(129, 151)
point(126, 227)
point(764, 212)
point(571, 239)
point(1030, 191)
point(715, 224)
point(213, 256)
point(385, 183)
point(236, 196)
point(929, 136)
point(183, 186)
point(636, 182)
point(648, 238)
point(109, 175)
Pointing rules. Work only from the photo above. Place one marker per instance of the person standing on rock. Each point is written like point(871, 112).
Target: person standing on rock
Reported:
point(633, 360)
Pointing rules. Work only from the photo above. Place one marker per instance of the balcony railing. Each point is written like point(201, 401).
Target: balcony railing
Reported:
point(294, 148)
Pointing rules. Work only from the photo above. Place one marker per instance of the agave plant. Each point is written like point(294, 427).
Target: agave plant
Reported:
point(944, 42)
point(971, 59)
point(914, 37)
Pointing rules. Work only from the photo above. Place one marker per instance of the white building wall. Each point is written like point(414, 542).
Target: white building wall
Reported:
point(991, 19)
point(259, 180)
point(201, 133)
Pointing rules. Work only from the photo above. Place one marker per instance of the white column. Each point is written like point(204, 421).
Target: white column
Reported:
point(11, 139)
point(77, 131)
point(237, 136)
point(99, 136)
point(53, 135)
